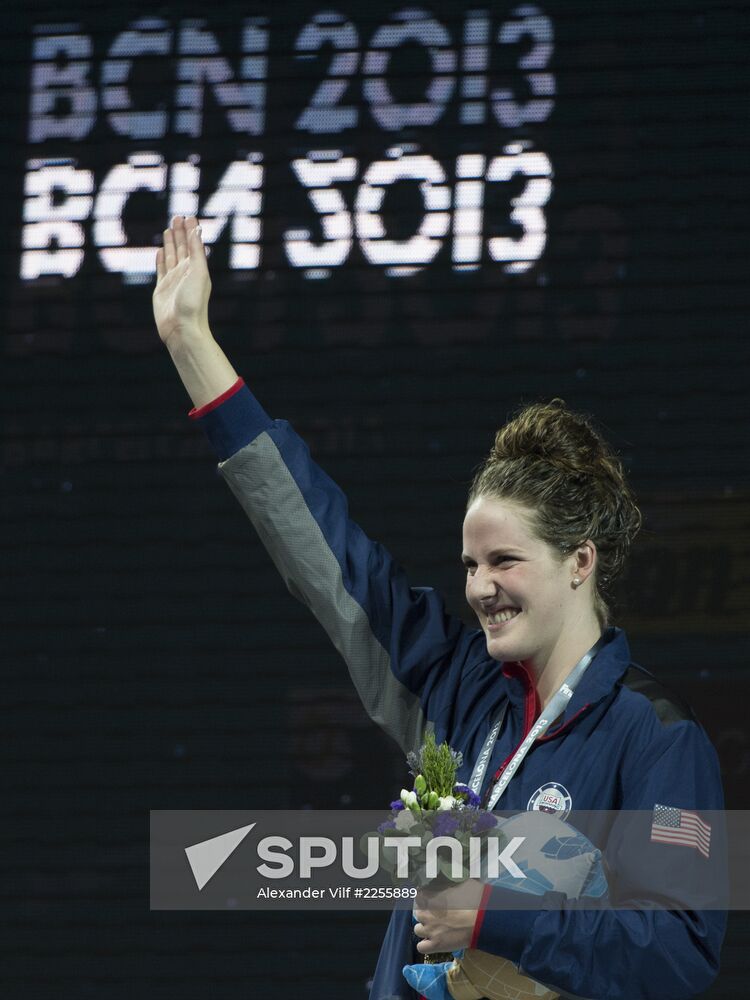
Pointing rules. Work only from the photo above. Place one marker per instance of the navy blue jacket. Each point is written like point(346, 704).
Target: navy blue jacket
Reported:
point(622, 744)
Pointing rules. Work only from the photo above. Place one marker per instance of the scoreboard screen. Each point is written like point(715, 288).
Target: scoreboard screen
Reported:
point(221, 117)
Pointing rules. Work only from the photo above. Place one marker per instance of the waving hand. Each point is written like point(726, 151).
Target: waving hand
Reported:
point(180, 302)
point(183, 284)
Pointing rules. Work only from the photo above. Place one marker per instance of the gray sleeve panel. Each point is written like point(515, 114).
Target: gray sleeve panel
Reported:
point(269, 495)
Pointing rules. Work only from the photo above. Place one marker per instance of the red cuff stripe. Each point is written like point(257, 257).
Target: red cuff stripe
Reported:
point(483, 904)
point(201, 411)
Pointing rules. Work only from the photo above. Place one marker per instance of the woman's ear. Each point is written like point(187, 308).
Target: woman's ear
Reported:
point(585, 561)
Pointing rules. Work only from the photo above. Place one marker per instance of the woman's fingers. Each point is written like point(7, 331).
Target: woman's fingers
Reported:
point(180, 237)
point(425, 945)
point(182, 240)
point(196, 246)
point(170, 253)
point(421, 932)
point(195, 239)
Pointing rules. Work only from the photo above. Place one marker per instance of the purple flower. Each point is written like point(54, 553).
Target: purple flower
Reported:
point(472, 799)
point(444, 825)
point(390, 824)
point(484, 821)
point(397, 804)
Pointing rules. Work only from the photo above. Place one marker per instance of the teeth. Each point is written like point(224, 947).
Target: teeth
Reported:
point(502, 616)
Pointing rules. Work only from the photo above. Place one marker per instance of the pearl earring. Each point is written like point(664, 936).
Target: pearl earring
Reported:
point(576, 581)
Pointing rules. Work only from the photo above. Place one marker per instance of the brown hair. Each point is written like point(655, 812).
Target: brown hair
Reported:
point(555, 463)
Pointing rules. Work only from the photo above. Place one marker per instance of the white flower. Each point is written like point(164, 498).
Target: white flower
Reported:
point(446, 802)
point(405, 820)
point(408, 798)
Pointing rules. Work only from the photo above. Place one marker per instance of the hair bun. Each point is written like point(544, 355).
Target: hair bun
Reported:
point(552, 433)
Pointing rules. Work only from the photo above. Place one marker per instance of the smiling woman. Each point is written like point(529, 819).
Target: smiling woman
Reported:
point(549, 522)
point(547, 528)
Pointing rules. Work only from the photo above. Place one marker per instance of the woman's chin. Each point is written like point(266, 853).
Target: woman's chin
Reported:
point(501, 647)
point(508, 640)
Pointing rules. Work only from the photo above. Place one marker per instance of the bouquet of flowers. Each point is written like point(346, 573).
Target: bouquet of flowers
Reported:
point(436, 806)
point(557, 856)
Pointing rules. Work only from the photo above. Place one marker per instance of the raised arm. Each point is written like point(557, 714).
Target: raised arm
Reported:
point(405, 655)
point(180, 301)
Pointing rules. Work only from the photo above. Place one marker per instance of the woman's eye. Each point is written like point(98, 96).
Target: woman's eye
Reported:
point(498, 561)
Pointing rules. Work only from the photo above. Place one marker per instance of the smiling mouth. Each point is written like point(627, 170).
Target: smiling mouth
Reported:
point(501, 617)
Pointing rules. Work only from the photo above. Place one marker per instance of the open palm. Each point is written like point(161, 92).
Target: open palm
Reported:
point(183, 285)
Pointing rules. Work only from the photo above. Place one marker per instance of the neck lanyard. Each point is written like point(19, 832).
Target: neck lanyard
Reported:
point(555, 707)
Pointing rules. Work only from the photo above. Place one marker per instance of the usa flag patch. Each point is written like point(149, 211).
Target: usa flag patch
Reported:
point(680, 826)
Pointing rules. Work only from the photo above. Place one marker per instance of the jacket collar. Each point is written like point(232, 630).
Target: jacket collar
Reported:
point(600, 679)
point(605, 670)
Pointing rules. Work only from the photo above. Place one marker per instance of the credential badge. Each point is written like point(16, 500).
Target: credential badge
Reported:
point(551, 798)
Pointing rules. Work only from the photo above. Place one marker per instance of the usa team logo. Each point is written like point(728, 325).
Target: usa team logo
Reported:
point(551, 798)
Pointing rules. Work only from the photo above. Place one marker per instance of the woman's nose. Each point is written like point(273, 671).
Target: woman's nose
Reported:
point(482, 585)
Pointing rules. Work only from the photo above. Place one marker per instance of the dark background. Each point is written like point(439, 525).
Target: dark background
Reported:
point(152, 659)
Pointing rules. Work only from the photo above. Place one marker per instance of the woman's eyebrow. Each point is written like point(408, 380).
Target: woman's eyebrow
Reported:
point(495, 552)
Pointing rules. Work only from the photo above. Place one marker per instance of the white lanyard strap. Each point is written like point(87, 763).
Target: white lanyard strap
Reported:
point(555, 707)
